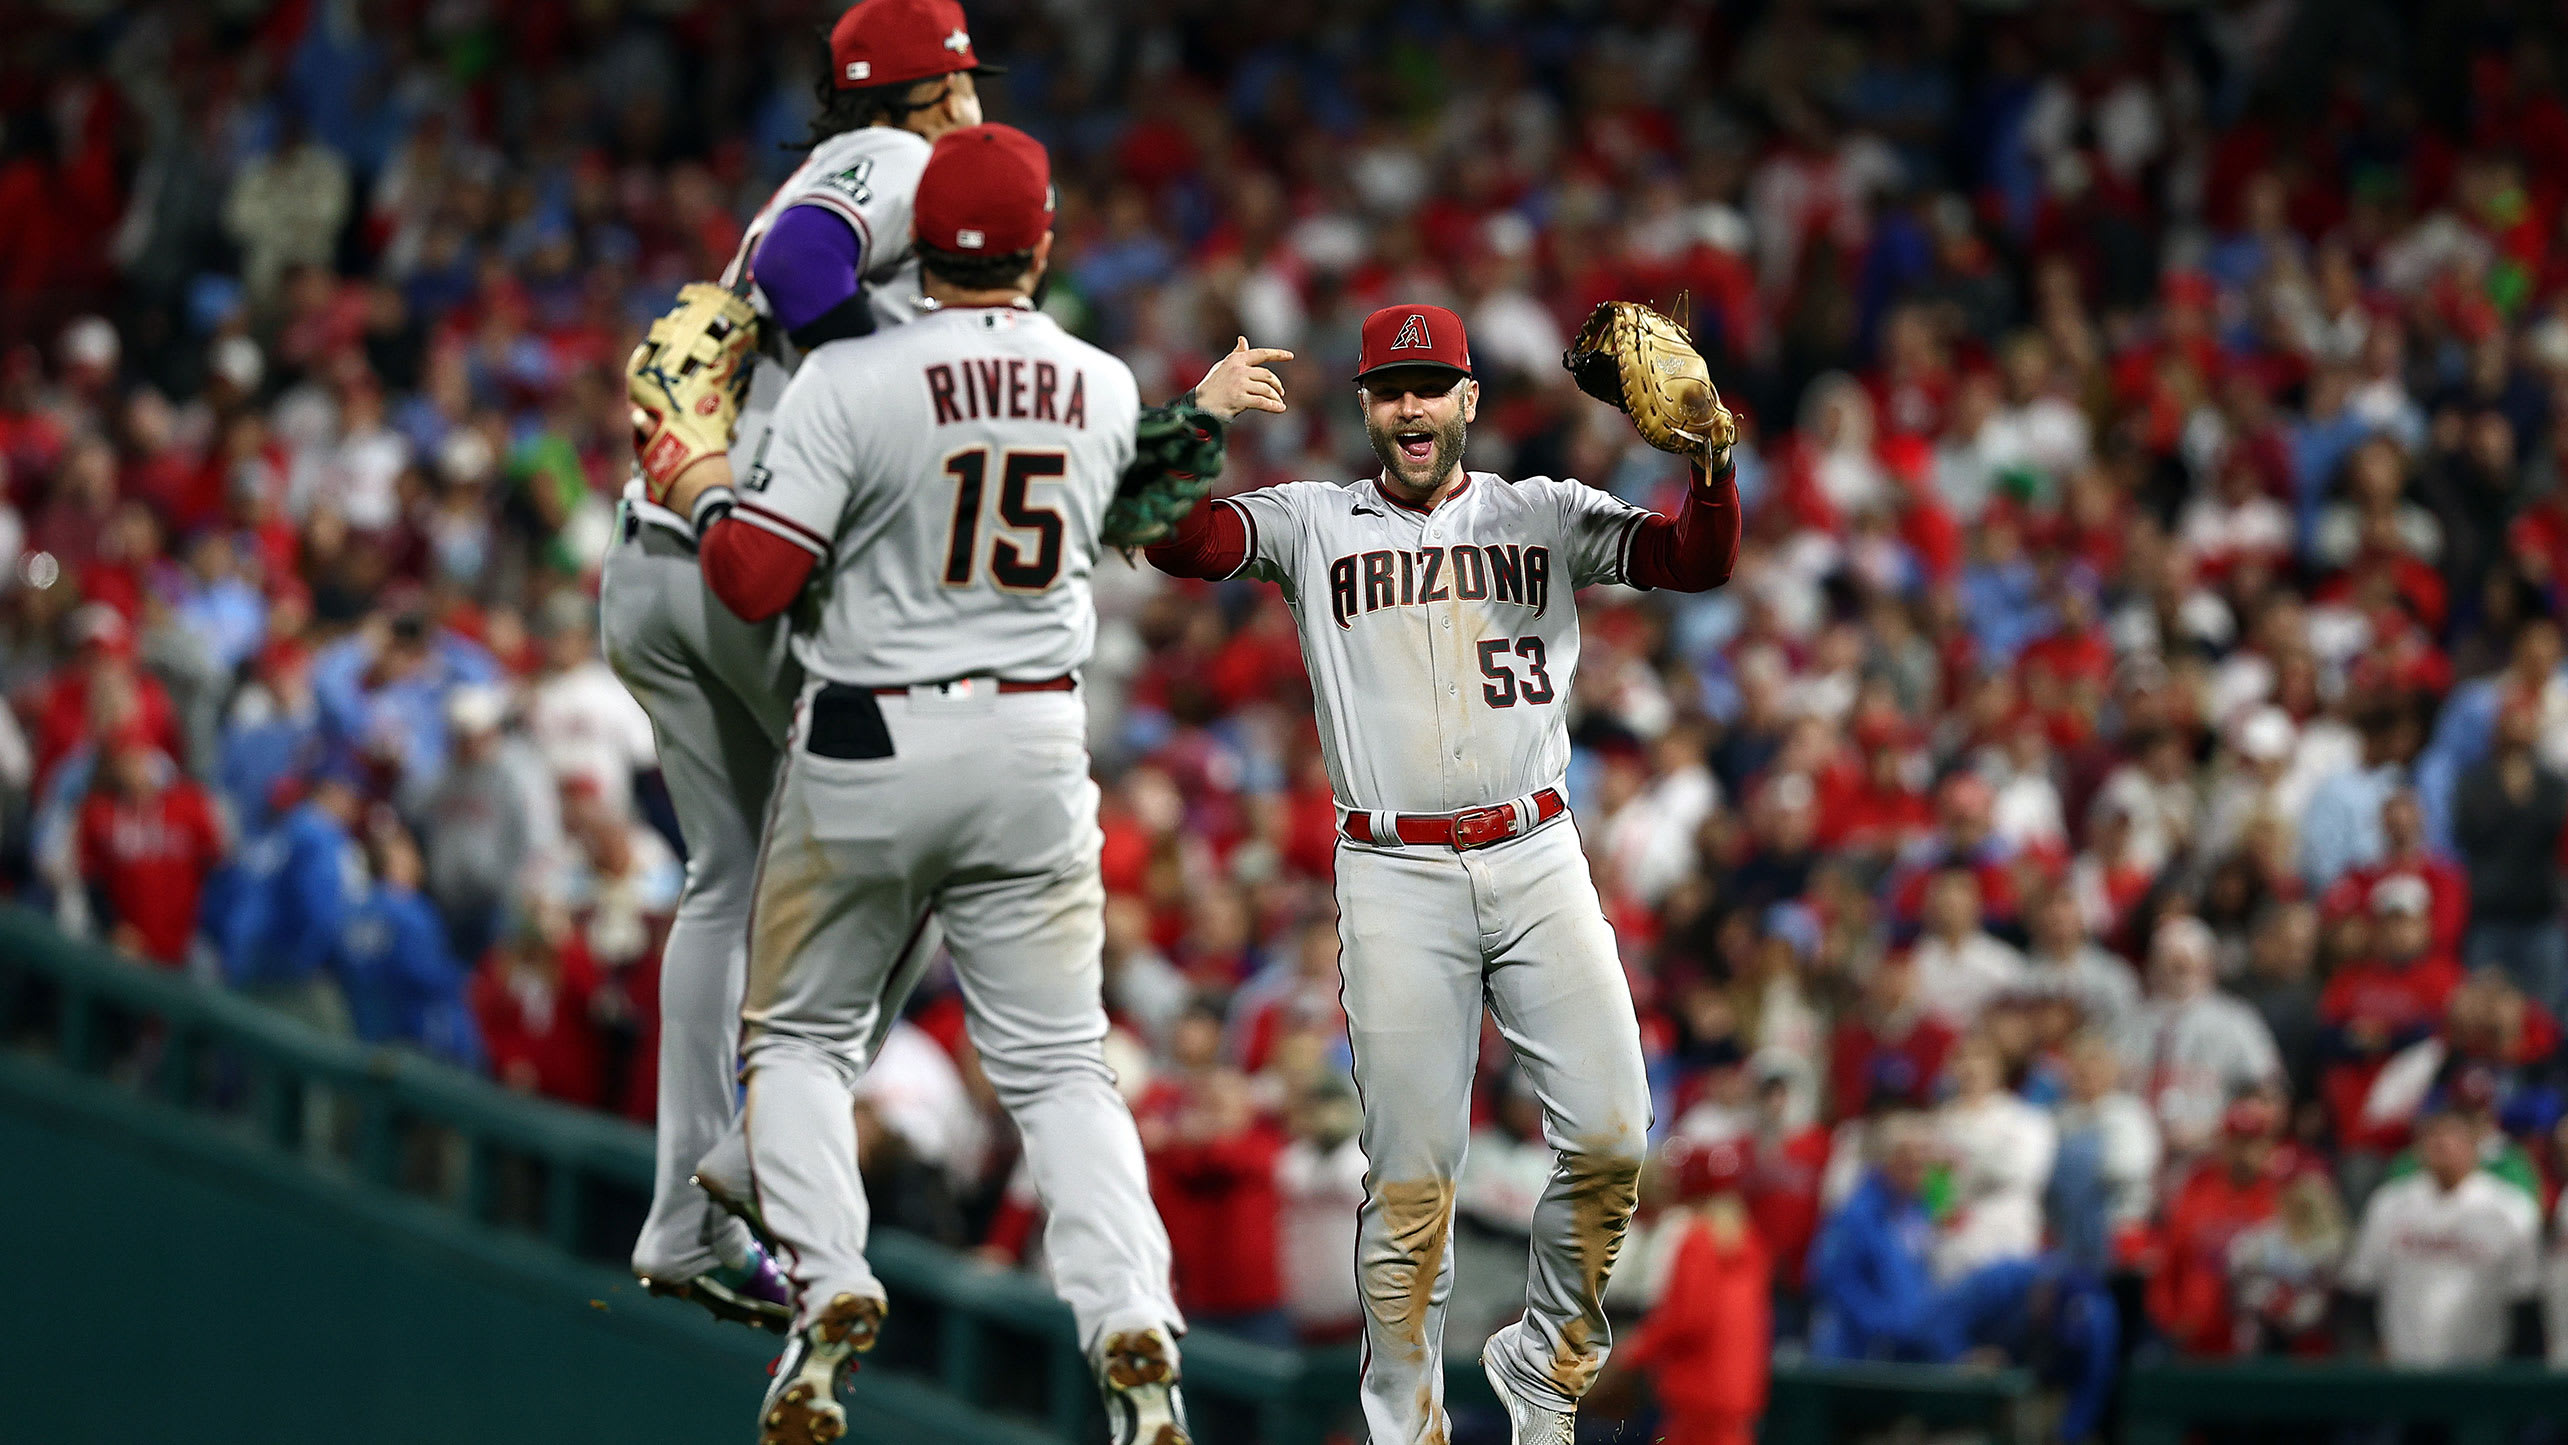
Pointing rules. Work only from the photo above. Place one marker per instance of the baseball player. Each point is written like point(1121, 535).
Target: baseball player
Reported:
point(827, 257)
point(949, 484)
point(1437, 620)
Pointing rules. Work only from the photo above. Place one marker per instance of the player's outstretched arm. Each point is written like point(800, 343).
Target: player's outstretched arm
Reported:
point(1211, 542)
point(1694, 550)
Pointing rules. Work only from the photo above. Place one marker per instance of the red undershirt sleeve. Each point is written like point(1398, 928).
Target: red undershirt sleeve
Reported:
point(1694, 550)
point(1212, 543)
point(756, 573)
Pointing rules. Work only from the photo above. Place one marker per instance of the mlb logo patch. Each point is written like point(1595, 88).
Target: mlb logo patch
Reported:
point(860, 69)
point(970, 240)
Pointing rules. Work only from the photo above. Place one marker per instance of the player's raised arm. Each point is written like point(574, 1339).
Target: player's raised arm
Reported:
point(1199, 539)
point(1642, 363)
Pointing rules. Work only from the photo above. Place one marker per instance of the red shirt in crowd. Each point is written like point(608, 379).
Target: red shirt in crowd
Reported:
point(1782, 1189)
point(62, 715)
point(1709, 1343)
point(1864, 1056)
point(2379, 1007)
point(538, 1027)
point(150, 856)
point(2189, 1294)
point(1218, 1198)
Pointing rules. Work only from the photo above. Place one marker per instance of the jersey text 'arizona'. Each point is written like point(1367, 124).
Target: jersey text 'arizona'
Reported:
point(1365, 582)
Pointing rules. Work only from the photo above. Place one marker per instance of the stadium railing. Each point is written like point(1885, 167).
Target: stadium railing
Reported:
point(989, 1357)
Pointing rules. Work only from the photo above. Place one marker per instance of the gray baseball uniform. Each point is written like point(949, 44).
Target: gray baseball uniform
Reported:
point(950, 477)
point(1441, 646)
point(719, 692)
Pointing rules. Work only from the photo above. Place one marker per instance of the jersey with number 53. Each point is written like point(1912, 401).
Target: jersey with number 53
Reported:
point(950, 476)
point(1440, 644)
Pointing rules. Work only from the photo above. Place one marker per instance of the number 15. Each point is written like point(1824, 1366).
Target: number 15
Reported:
point(1502, 689)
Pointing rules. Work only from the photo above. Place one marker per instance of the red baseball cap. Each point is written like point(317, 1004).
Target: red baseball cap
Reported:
point(1413, 336)
point(894, 42)
point(987, 191)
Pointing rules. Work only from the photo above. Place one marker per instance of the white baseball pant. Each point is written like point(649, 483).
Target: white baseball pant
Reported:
point(972, 808)
point(1429, 934)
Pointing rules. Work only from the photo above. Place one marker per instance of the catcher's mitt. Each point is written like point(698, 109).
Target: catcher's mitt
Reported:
point(1641, 362)
point(1178, 454)
point(686, 381)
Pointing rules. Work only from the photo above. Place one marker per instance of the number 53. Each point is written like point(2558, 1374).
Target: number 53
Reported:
point(1502, 689)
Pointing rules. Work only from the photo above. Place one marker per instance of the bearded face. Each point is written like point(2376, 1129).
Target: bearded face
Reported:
point(1416, 419)
point(1417, 455)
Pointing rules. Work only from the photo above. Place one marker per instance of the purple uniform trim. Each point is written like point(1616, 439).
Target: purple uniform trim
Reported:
point(808, 264)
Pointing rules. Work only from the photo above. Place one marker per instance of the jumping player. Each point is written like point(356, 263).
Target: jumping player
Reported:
point(945, 482)
point(1437, 620)
point(828, 257)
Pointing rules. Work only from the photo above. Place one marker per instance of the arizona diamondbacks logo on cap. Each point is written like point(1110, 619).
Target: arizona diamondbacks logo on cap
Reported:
point(1413, 334)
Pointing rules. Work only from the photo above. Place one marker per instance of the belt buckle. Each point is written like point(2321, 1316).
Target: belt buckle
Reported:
point(1480, 827)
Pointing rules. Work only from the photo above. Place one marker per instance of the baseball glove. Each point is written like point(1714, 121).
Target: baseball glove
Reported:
point(1177, 456)
point(1641, 362)
point(686, 381)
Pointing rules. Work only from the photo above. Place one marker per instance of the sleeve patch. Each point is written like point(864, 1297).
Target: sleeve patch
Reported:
point(855, 182)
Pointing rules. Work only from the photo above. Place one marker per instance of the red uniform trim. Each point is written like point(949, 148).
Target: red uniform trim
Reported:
point(755, 571)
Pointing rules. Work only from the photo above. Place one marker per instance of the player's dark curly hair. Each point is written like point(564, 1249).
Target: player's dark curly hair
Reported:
point(845, 110)
point(973, 272)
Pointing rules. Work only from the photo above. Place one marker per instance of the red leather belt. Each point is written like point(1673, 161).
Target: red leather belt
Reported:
point(1468, 829)
point(1064, 683)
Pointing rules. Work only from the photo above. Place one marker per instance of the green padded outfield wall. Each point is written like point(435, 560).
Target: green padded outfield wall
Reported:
point(170, 1285)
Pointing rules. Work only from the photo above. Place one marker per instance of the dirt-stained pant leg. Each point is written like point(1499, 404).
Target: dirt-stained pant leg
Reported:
point(844, 883)
point(1412, 969)
point(719, 692)
point(1559, 994)
point(983, 817)
point(1023, 908)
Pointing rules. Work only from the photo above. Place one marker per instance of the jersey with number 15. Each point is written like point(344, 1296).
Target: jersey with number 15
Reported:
point(1440, 644)
point(950, 476)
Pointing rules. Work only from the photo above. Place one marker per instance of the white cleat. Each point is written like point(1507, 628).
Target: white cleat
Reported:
point(1529, 1423)
point(1137, 1370)
point(802, 1406)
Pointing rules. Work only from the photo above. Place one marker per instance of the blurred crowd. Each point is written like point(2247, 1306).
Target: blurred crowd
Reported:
point(2091, 883)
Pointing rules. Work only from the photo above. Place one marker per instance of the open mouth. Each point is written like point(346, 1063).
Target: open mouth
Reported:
point(1418, 447)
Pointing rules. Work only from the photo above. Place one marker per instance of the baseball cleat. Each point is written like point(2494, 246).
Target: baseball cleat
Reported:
point(1137, 1370)
point(752, 1294)
point(1529, 1423)
point(802, 1406)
